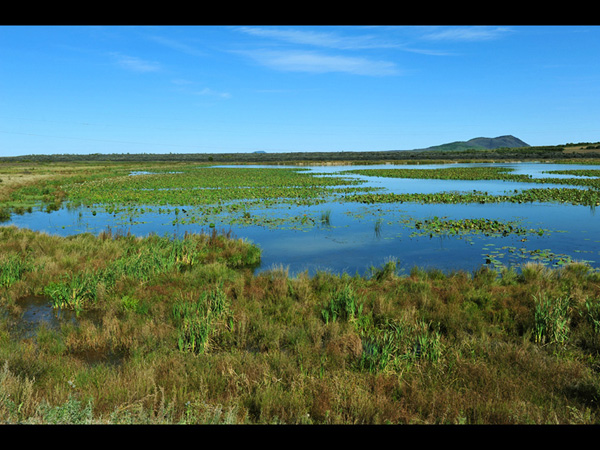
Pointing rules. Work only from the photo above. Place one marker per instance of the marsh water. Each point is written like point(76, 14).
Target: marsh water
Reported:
point(354, 238)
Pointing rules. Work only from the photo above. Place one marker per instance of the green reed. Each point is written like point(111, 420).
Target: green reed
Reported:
point(74, 291)
point(551, 320)
point(343, 305)
point(12, 268)
point(326, 217)
point(391, 344)
point(592, 313)
point(397, 345)
point(197, 320)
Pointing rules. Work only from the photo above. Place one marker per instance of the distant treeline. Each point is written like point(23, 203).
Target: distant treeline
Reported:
point(520, 153)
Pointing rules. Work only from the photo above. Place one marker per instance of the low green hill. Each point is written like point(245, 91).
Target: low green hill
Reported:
point(480, 143)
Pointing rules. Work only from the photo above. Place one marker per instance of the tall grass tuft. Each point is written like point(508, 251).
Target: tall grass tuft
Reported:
point(16, 397)
point(551, 320)
point(386, 272)
point(198, 320)
point(592, 307)
point(396, 345)
point(12, 267)
point(343, 305)
point(75, 291)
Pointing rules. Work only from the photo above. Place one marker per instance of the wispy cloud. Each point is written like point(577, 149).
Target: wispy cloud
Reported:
point(464, 34)
point(212, 93)
point(187, 87)
point(314, 62)
point(325, 39)
point(302, 49)
point(176, 45)
point(135, 64)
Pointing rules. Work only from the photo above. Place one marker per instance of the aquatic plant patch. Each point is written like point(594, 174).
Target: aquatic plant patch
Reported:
point(514, 256)
point(585, 197)
point(588, 196)
point(450, 173)
point(205, 195)
point(592, 179)
point(207, 186)
point(576, 172)
point(488, 227)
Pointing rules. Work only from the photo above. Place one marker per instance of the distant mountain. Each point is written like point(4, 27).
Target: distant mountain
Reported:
point(479, 143)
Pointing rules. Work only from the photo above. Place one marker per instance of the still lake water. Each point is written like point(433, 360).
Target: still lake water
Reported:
point(359, 237)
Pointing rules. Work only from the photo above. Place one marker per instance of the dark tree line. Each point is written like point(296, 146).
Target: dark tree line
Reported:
point(521, 153)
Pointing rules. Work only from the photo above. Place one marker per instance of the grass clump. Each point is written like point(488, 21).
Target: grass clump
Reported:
point(12, 267)
point(551, 320)
point(198, 320)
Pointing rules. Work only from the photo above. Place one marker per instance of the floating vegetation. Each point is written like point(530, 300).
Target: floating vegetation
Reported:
point(575, 196)
point(487, 227)
point(586, 197)
point(576, 172)
point(510, 256)
point(205, 195)
point(450, 173)
point(210, 186)
point(486, 173)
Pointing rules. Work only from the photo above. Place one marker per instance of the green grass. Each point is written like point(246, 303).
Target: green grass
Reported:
point(198, 320)
point(193, 336)
point(12, 267)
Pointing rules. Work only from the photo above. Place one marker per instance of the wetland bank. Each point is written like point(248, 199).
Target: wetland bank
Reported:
point(188, 292)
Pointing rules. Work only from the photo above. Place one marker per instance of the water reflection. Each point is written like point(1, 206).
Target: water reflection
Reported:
point(37, 312)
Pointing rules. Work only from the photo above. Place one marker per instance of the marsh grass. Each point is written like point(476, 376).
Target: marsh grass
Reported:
point(551, 320)
point(74, 292)
point(12, 267)
point(197, 320)
point(181, 331)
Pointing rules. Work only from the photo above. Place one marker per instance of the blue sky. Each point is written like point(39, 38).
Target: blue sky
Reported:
point(215, 89)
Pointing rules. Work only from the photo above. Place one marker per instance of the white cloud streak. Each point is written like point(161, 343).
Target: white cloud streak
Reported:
point(320, 39)
point(210, 92)
point(313, 62)
point(305, 45)
point(464, 34)
point(135, 64)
